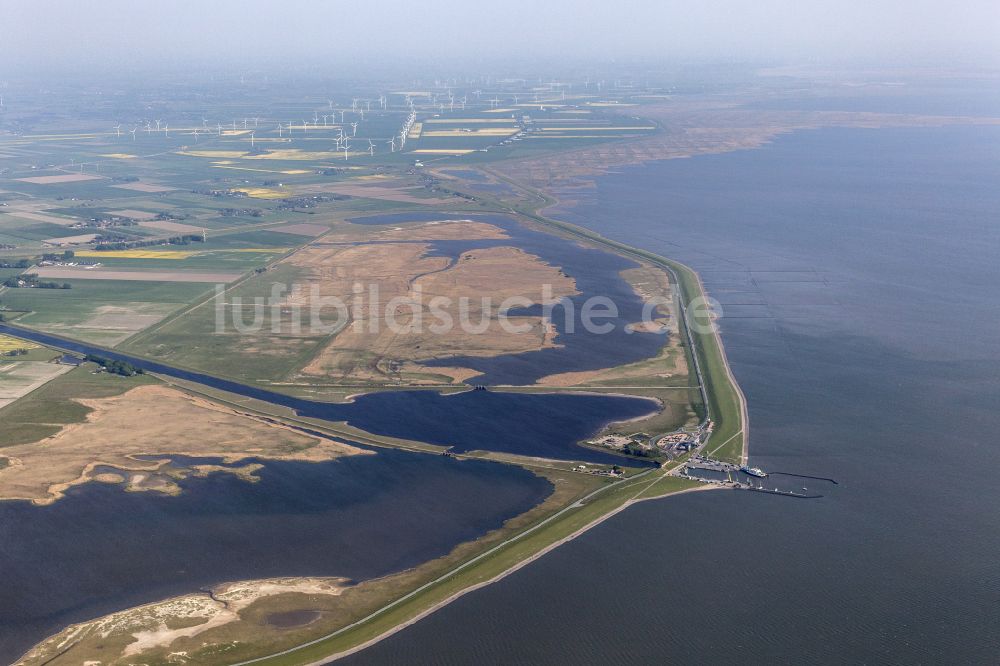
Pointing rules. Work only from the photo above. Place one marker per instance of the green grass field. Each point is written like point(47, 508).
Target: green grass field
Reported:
point(45, 411)
point(88, 310)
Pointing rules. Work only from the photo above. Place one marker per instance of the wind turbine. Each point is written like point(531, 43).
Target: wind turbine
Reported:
point(279, 129)
point(196, 135)
point(133, 132)
point(219, 126)
point(157, 125)
point(354, 129)
point(345, 151)
point(392, 144)
point(166, 130)
point(118, 130)
point(251, 140)
point(149, 127)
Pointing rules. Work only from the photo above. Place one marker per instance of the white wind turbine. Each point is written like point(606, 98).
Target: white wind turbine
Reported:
point(118, 130)
point(392, 144)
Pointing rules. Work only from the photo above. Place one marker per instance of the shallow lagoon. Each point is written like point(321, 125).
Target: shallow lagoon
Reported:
point(101, 549)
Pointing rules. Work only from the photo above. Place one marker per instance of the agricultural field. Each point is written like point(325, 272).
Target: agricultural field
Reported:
point(102, 311)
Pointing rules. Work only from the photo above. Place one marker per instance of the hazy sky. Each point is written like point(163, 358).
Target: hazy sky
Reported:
point(117, 31)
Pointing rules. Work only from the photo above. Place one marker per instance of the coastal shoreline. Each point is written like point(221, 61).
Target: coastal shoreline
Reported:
point(523, 563)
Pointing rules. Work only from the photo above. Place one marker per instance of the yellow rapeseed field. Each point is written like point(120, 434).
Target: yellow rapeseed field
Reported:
point(265, 193)
point(138, 254)
point(9, 344)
